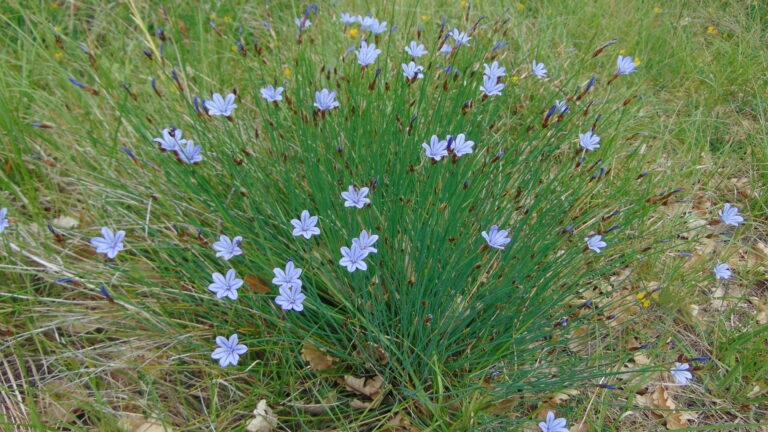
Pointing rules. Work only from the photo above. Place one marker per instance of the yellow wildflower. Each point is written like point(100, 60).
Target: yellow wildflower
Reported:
point(656, 10)
point(520, 6)
point(425, 17)
point(58, 55)
point(463, 4)
point(56, 29)
point(287, 72)
point(228, 18)
point(54, 5)
point(352, 33)
point(514, 79)
point(637, 61)
point(234, 48)
point(711, 30)
point(621, 51)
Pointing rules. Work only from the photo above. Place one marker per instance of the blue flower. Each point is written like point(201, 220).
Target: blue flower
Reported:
point(355, 198)
point(416, 50)
point(288, 277)
point(436, 149)
point(681, 374)
point(496, 238)
point(730, 215)
point(553, 424)
point(302, 23)
point(109, 243)
point(461, 38)
point(225, 286)
point(306, 226)
point(446, 49)
point(596, 243)
point(539, 70)
point(494, 71)
point(589, 141)
point(348, 19)
point(229, 350)
point(353, 258)
point(373, 25)
point(272, 94)
point(491, 86)
point(190, 153)
point(220, 106)
point(365, 242)
point(227, 248)
point(412, 71)
point(325, 100)
point(290, 298)
point(170, 142)
point(561, 106)
point(461, 146)
point(625, 65)
point(367, 54)
point(3, 219)
point(722, 271)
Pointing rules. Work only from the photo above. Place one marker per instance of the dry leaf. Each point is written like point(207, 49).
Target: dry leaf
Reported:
point(680, 420)
point(661, 399)
point(761, 305)
point(153, 426)
point(365, 386)
point(358, 404)
point(563, 396)
point(400, 423)
point(264, 420)
point(59, 401)
point(65, 222)
point(317, 359)
point(257, 284)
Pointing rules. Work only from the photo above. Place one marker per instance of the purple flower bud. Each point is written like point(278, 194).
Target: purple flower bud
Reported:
point(77, 83)
point(378, 72)
point(266, 25)
point(685, 254)
point(36, 124)
point(499, 45)
point(129, 152)
point(701, 359)
point(551, 111)
point(154, 84)
point(147, 53)
point(607, 386)
point(210, 23)
point(442, 24)
point(591, 83)
point(50, 228)
point(394, 27)
point(612, 316)
point(63, 280)
point(196, 100)
point(569, 228)
point(665, 241)
point(588, 303)
point(613, 228)
point(84, 48)
point(104, 291)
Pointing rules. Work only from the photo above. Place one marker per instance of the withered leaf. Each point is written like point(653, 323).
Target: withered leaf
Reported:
point(317, 359)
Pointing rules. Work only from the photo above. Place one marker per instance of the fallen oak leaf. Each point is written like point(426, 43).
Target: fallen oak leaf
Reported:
point(317, 359)
point(264, 420)
point(370, 387)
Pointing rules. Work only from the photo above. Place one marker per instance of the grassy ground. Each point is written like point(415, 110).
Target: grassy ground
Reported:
point(68, 357)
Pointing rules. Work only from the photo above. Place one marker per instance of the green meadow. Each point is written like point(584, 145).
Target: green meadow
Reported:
point(483, 249)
